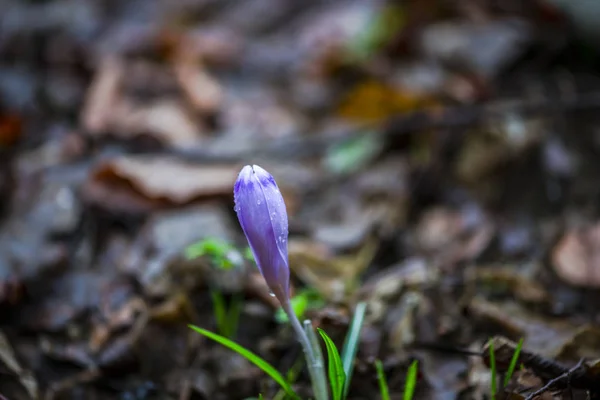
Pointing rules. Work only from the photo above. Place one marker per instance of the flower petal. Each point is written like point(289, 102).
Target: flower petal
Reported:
point(261, 211)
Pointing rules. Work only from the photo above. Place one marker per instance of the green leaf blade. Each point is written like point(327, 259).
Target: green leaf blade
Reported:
point(513, 363)
point(411, 380)
point(383, 386)
point(250, 356)
point(337, 376)
point(354, 153)
point(222, 254)
point(351, 343)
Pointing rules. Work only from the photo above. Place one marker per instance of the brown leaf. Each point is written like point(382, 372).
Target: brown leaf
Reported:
point(167, 121)
point(102, 95)
point(333, 276)
point(202, 90)
point(543, 336)
point(585, 343)
point(454, 236)
point(140, 183)
point(372, 101)
point(576, 258)
point(108, 110)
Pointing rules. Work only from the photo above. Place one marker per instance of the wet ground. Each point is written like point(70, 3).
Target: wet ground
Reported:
point(438, 161)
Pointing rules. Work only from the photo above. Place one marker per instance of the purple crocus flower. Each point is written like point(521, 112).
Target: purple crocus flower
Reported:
point(261, 211)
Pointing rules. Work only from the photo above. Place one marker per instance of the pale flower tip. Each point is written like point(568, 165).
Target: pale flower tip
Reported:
point(264, 177)
point(243, 178)
point(245, 173)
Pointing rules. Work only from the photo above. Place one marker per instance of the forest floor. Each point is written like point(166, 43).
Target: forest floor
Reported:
point(439, 162)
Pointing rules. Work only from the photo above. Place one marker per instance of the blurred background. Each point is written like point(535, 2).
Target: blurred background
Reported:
point(439, 161)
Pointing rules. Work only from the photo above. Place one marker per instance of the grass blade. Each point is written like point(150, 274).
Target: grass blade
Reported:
point(513, 363)
point(383, 386)
point(411, 380)
point(337, 376)
point(291, 376)
point(250, 356)
point(233, 316)
point(219, 309)
point(493, 369)
point(351, 343)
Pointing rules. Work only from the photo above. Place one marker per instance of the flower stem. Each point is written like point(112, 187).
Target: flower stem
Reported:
point(314, 359)
point(317, 354)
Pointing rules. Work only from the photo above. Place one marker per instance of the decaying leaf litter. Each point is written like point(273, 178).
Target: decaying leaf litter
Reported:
point(437, 159)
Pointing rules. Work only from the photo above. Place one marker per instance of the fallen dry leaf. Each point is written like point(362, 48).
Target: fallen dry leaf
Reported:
point(333, 276)
point(102, 95)
point(139, 183)
point(517, 282)
point(576, 258)
point(542, 335)
point(502, 141)
point(109, 110)
point(202, 90)
point(372, 101)
point(454, 236)
point(168, 121)
point(585, 343)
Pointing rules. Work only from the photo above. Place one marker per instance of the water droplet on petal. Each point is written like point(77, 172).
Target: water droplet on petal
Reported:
point(258, 202)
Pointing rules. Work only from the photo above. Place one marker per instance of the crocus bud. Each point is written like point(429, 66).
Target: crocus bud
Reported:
point(262, 215)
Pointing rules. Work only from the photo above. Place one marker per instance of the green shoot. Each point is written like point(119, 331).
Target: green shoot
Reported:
point(336, 373)
point(304, 300)
point(380, 30)
point(351, 343)
point(354, 153)
point(235, 310)
point(221, 254)
point(513, 363)
point(291, 376)
point(227, 320)
point(253, 358)
point(220, 311)
point(383, 386)
point(411, 380)
point(493, 369)
point(248, 254)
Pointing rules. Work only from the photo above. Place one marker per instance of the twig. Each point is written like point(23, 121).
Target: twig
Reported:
point(580, 377)
point(85, 376)
point(553, 383)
